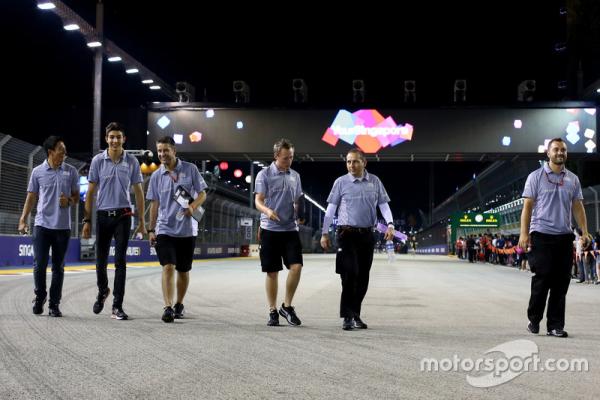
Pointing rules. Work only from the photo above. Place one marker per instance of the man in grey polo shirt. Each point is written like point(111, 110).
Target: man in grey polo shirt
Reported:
point(356, 197)
point(113, 172)
point(551, 193)
point(172, 229)
point(278, 192)
point(55, 185)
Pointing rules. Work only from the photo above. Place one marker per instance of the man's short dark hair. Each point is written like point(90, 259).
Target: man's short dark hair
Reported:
point(555, 140)
point(115, 126)
point(360, 153)
point(166, 140)
point(282, 144)
point(51, 142)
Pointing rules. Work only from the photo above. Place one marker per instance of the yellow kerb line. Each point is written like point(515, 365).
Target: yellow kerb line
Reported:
point(91, 267)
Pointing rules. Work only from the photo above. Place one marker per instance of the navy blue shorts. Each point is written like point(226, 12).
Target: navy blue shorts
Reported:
point(276, 247)
point(178, 251)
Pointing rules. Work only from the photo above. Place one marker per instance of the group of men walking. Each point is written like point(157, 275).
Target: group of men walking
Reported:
point(551, 193)
point(172, 230)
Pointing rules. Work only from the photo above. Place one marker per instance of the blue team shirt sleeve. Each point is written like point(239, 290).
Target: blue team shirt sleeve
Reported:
point(260, 185)
point(136, 172)
point(299, 191)
point(577, 194)
point(94, 172)
point(34, 184)
point(152, 187)
point(198, 180)
point(74, 181)
point(382, 194)
point(335, 195)
point(531, 187)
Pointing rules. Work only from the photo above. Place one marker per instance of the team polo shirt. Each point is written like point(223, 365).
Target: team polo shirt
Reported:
point(48, 183)
point(281, 189)
point(114, 180)
point(162, 187)
point(553, 195)
point(357, 199)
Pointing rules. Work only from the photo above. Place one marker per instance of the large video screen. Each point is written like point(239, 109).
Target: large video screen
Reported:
point(381, 132)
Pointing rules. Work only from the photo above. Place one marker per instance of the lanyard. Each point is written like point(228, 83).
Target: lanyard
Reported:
point(174, 178)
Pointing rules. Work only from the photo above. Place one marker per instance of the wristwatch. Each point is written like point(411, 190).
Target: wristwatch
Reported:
point(391, 225)
point(86, 221)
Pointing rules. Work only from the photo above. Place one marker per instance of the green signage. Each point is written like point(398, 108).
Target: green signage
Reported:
point(476, 220)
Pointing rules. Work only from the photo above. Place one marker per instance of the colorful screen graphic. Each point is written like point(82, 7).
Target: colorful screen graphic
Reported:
point(392, 134)
point(367, 129)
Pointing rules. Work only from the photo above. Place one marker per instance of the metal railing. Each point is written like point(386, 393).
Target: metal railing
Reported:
point(17, 160)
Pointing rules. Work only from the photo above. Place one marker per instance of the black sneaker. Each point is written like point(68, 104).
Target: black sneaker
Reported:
point(168, 315)
point(99, 304)
point(558, 333)
point(38, 305)
point(178, 309)
point(118, 313)
point(290, 315)
point(348, 324)
point(359, 324)
point(533, 328)
point(273, 318)
point(54, 311)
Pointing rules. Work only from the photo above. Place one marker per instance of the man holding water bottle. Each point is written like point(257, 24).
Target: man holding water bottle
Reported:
point(176, 192)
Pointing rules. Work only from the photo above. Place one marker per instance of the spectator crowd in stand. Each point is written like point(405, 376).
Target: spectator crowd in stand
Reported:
point(504, 250)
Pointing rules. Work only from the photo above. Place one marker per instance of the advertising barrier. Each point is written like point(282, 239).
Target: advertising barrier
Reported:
point(18, 251)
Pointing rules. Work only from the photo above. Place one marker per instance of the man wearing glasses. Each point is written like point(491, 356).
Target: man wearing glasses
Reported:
point(551, 193)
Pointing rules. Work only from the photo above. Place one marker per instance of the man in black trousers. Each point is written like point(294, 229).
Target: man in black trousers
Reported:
point(551, 193)
point(356, 197)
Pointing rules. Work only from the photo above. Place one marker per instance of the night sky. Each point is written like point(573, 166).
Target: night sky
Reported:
point(47, 73)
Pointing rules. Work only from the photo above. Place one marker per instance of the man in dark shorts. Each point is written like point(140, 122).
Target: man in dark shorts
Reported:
point(172, 229)
point(277, 195)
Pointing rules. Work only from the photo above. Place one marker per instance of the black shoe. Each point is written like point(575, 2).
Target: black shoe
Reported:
point(273, 318)
point(533, 328)
point(289, 314)
point(38, 305)
point(348, 324)
point(118, 313)
point(558, 333)
point(168, 315)
point(178, 309)
point(359, 324)
point(54, 311)
point(99, 304)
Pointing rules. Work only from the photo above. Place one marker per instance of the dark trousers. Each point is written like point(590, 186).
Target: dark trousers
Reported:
point(550, 259)
point(45, 239)
point(108, 227)
point(472, 255)
point(353, 263)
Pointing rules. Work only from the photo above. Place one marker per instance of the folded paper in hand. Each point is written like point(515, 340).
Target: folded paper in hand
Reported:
point(184, 198)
